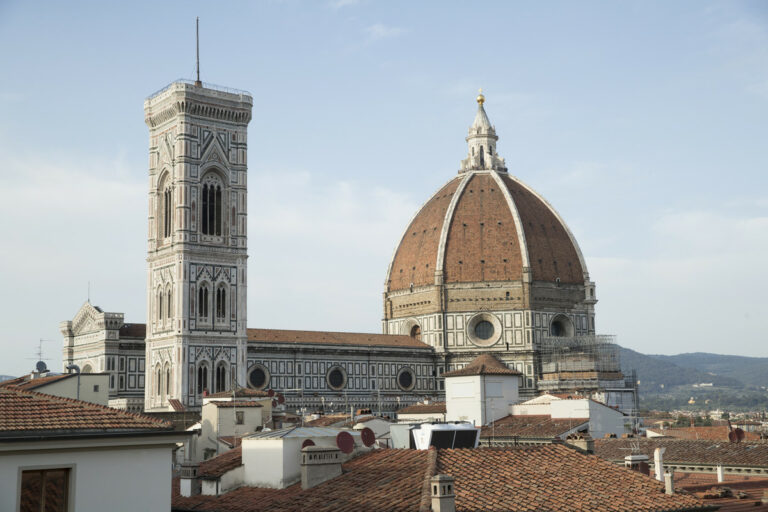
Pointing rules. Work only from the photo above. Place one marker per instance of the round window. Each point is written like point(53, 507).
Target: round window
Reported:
point(336, 378)
point(405, 379)
point(258, 378)
point(484, 330)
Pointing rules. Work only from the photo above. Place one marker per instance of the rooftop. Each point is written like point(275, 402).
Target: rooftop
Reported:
point(24, 413)
point(687, 451)
point(719, 433)
point(334, 338)
point(538, 426)
point(486, 364)
point(239, 393)
point(545, 477)
point(431, 408)
point(215, 467)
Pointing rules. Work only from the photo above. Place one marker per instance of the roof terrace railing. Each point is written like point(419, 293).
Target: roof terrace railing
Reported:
point(207, 85)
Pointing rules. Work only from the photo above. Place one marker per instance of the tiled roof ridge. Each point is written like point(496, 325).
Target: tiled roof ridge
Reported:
point(482, 365)
point(98, 407)
point(30, 384)
point(337, 337)
point(425, 505)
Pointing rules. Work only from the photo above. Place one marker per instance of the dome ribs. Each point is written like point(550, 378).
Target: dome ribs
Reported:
point(552, 253)
point(482, 240)
point(415, 258)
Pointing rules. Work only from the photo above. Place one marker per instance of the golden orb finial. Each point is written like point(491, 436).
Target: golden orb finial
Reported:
point(480, 97)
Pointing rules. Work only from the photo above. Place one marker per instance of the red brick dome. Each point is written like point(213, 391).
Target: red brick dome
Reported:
point(485, 226)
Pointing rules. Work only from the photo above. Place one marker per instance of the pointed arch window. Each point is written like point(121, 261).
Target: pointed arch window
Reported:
point(160, 306)
point(167, 380)
point(202, 301)
point(202, 379)
point(158, 384)
point(169, 306)
point(212, 207)
point(221, 303)
point(167, 211)
point(482, 157)
point(221, 377)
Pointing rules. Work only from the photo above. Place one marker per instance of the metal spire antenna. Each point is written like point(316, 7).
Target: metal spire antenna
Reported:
point(198, 83)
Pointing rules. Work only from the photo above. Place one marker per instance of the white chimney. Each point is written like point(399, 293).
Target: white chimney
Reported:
point(443, 497)
point(658, 463)
point(669, 482)
point(188, 484)
point(319, 464)
point(720, 474)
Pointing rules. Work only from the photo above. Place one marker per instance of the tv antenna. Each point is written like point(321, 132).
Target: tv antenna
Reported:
point(40, 366)
point(198, 83)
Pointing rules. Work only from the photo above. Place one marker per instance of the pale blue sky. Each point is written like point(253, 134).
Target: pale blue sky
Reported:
point(643, 123)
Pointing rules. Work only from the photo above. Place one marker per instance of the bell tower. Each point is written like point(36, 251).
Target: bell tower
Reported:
point(197, 242)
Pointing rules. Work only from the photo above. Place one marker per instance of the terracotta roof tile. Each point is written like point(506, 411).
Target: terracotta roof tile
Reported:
point(539, 426)
point(546, 477)
point(30, 412)
point(688, 451)
point(176, 405)
point(235, 404)
point(416, 256)
point(719, 433)
point(327, 420)
point(334, 338)
point(215, 467)
point(433, 408)
point(26, 383)
point(486, 364)
point(239, 393)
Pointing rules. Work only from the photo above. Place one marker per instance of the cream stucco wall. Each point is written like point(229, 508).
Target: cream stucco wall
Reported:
point(115, 478)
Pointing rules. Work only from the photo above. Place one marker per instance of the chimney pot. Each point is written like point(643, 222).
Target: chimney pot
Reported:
point(443, 496)
point(669, 482)
point(319, 464)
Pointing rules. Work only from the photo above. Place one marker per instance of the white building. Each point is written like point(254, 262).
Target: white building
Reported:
point(75, 455)
point(482, 392)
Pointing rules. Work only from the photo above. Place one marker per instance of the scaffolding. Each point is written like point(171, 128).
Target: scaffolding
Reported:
point(589, 366)
point(579, 357)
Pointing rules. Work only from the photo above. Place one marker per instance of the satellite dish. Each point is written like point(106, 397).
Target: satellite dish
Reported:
point(274, 403)
point(41, 367)
point(345, 442)
point(270, 393)
point(740, 435)
point(280, 399)
point(732, 436)
point(307, 442)
point(367, 436)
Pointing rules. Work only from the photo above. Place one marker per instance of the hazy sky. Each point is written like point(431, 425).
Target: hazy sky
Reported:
point(644, 123)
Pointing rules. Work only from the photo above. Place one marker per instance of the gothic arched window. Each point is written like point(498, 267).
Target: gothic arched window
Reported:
point(167, 211)
point(202, 301)
point(170, 307)
point(202, 378)
point(160, 306)
point(167, 380)
point(221, 303)
point(482, 157)
point(212, 206)
point(221, 377)
point(158, 384)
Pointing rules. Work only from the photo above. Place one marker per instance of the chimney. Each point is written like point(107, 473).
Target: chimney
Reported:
point(583, 443)
point(188, 484)
point(720, 474)
point(637, 462)
point(658, 463)
point(669, 482)
point(318, 464)
point(443, 497)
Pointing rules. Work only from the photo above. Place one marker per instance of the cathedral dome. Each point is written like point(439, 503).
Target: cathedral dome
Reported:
point(485, 225)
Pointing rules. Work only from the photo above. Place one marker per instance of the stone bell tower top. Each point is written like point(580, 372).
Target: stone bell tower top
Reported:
point(482, 143)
